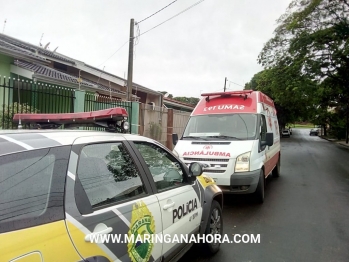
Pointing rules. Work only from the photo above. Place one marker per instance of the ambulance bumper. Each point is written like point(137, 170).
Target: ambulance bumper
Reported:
point(242, 183)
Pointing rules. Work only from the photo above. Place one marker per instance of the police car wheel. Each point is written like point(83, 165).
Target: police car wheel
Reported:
point(214, 227)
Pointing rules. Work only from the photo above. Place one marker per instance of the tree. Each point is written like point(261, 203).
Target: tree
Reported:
point(291, 93)
point(189, 100)
point(312, 38)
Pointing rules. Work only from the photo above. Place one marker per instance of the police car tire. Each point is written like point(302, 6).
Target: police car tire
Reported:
point(215, 212)
point(259, 194)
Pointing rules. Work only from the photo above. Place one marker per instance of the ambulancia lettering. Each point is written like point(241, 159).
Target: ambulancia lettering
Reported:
point(184, 209)
point(224, 107)
point(206, 153)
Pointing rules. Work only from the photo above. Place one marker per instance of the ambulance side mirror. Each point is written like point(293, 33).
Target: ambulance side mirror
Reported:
point(269, 140)
point(174, 138)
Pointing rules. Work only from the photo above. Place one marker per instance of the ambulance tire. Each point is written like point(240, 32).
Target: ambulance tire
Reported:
point(259, 194)
point(214, 226)
point(276, 170)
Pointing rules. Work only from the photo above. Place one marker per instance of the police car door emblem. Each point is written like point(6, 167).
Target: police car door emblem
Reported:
point(142, 223)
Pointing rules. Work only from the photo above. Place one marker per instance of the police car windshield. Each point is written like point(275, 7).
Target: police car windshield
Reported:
point(222, 127)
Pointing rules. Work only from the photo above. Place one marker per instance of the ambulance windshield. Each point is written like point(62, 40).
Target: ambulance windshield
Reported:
point(222, 127)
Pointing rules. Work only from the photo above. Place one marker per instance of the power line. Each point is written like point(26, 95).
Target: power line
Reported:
point(235, 83)
point(156, 12)
point(114, 53)
point(139, 34)
point(190, 7)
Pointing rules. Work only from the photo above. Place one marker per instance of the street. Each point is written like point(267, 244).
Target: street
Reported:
point(305, 215)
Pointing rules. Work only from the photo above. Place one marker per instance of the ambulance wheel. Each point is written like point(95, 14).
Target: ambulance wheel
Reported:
point(276, 170)
point(259, 194)
point(214, 227)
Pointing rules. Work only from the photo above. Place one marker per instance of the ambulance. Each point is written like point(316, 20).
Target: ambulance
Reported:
point(236, 136)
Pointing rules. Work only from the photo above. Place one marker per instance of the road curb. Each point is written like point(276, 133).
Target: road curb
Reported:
point(328, 139)
point(341, 143)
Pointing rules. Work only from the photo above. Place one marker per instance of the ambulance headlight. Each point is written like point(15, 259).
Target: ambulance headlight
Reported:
point(242, 163)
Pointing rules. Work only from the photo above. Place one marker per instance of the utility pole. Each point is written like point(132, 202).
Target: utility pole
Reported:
point(130, 62)
point(225, 83)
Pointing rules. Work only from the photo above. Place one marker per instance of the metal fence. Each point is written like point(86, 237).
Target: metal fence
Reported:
point(22, 96)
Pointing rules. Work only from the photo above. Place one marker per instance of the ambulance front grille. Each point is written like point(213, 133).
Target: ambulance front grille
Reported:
point(206, 159)
point(209, 143)
point(214, 171)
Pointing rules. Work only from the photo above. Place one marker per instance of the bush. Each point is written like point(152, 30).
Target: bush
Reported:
point(8, 111)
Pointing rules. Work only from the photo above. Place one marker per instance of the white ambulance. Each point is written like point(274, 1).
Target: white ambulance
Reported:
point(236, 135)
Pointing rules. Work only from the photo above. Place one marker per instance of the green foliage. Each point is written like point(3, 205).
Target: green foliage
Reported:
point(189, 100)
point(8, 111)
point(155, 131)
point(307, 61)
point(291, 93)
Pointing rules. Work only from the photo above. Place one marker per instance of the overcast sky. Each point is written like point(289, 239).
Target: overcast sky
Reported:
point(190, 54)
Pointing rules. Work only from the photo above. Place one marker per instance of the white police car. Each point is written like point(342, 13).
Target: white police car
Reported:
point(61, 191)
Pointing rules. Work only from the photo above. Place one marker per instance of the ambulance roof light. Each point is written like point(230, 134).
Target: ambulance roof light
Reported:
point(242, 93)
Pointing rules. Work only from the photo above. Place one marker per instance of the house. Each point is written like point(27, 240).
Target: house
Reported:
point(39, 75)
point(177, 105)
point(35, 79)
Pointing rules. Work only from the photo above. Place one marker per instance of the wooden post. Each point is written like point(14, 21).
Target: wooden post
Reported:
point(169, 129)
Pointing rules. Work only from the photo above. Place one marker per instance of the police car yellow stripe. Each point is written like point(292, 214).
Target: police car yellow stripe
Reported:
point(49, 242)
point(205, 181)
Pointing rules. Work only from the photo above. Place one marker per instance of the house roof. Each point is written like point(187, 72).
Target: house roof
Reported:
point(57, 75)
point(178, 103)
point(36, 50)
point(5, 46)
point(41, 53)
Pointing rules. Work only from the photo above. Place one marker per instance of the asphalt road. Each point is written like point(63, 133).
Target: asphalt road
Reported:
point(305, 215)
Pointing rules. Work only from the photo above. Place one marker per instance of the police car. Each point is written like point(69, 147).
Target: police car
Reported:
point(62, 189)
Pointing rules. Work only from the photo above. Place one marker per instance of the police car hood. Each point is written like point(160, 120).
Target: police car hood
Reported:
point(212, 149)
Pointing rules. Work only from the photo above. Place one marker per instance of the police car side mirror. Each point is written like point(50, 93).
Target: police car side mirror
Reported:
point(196, 169)
point(269, 140)
point(174, 138)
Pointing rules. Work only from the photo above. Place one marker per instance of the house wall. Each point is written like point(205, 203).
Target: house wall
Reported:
point(97, 79)
point(180, 120)
point(5, 65)
point(153, 123)
point(5, 73)
point(153, 98)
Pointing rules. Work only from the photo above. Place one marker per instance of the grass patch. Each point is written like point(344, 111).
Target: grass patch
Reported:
point(303, 126)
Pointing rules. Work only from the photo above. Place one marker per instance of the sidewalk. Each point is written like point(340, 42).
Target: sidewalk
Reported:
point(342, 143)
